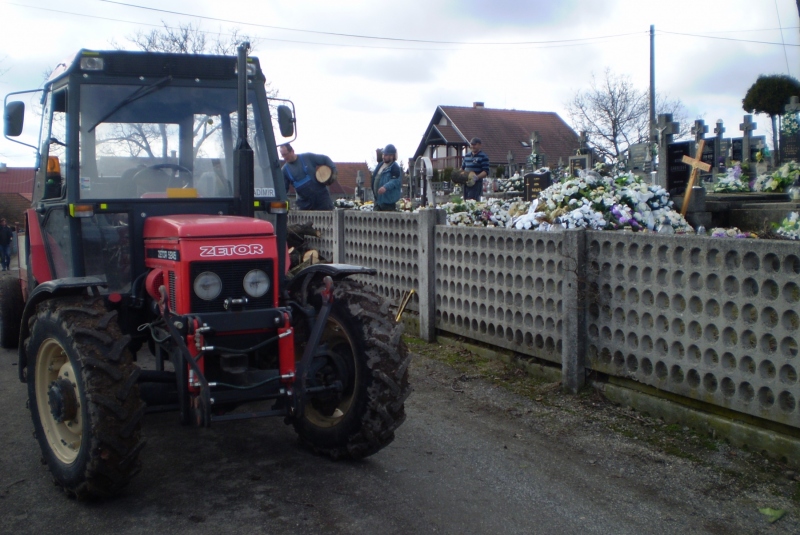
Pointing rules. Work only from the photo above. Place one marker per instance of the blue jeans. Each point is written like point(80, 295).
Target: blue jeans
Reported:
point(5, 255)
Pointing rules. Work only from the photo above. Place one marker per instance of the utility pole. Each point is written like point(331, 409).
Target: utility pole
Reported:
point(652, 78)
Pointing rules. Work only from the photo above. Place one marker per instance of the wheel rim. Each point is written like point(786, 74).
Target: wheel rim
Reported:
point(53, 367)
point(336, 337)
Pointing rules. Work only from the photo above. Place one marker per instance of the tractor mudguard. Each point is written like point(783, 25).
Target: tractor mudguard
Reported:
point(44, 291)
point(298, 285)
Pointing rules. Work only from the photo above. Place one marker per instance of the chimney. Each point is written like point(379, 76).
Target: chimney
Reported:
point(3, 167)
point(477, 105)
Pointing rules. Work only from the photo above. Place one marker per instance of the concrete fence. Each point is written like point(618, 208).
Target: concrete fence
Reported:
point(709, 319)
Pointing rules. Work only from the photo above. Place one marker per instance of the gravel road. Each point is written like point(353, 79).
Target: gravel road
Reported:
point(471, 458)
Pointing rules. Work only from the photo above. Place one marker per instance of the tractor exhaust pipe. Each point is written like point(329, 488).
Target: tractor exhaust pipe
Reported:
point(243, 166)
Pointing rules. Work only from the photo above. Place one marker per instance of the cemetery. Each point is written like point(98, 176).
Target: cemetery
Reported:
point(610, 278)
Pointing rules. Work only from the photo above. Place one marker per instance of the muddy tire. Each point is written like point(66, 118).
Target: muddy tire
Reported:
point(11, 306)
point(83, 396)
point(367, 354)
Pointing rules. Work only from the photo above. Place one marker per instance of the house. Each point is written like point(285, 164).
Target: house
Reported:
point(16, 192)
point(447, 137)
point(345, 185)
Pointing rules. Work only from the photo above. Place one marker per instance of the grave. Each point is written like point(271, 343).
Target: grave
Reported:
point(535, 183)
point(639, 161)
point(790, 144)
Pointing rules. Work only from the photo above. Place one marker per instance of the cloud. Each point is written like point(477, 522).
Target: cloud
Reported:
point(396, 67)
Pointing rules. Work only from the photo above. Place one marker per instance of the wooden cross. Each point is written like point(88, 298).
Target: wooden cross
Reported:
point(696, 164)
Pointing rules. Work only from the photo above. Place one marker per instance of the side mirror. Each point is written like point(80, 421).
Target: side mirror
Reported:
point(285, 120)
point(13, 118)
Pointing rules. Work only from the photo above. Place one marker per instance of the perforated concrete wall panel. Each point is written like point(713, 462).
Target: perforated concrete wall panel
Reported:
point(501, 287)
point(388, 242)
point(323, 221)
point(711, 319)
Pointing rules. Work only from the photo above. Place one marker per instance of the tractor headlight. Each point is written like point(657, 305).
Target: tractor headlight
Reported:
point(207, 285)
point(256, 283)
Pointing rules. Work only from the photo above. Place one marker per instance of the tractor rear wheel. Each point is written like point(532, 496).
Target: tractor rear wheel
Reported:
point(11, 306)
point(83, 396)
point(361, 348)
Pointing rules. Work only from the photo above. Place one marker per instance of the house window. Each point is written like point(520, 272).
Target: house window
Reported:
point(443, 121)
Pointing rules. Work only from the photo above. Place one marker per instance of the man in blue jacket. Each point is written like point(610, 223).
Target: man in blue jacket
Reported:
point(477, 162)
point(386, 181)
point(300, 171)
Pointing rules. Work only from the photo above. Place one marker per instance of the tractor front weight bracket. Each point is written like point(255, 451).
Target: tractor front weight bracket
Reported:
point(312, 345)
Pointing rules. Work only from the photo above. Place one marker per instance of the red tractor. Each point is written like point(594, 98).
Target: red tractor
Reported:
point(159, 221)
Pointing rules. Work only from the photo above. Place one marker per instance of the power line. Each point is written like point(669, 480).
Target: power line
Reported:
point(542, 44)
point(785, 55)
point(357, 36)
point(726, 38)
point(557, 43)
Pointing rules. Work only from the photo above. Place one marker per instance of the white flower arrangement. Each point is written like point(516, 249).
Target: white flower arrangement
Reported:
point(790, 227)
point(783, 177)
point(731, 182)
point(346, 204)
point(515, 183)
point(492, 213)
point(597, 202)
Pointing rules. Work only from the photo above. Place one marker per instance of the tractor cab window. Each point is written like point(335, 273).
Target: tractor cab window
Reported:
point(173, 142)
point(50, 182)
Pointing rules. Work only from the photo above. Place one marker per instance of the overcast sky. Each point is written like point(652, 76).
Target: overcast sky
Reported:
point(354, 94)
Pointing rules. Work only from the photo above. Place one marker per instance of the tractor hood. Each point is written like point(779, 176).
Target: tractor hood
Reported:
point(205, 226)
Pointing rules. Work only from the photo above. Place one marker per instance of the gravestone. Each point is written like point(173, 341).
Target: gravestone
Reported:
point(663, 132)
point(677, 172)
point(737, 148)
point(719, 153)
point(709, 150)
point(790, 147)
point(790, 144)
point(746, 127)
point(535, 183)
point(576, 163)
point(638, 161)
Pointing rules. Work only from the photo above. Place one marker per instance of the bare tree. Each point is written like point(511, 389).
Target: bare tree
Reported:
point(615, 114)
point(183, 39)
point(189, 39)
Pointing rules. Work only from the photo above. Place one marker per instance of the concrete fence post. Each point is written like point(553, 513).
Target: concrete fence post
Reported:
point(338, 237)
point(573, 348)
point(428, 219)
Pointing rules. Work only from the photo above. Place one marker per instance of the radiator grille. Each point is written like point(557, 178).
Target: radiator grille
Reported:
point(172, 301)
point(232, 276)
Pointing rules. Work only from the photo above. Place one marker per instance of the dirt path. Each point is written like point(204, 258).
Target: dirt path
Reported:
point(472, 457)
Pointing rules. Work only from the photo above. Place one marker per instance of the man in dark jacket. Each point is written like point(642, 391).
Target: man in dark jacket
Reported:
point(477, 162)
point(387, 178)
point(300, 171)
point(6, 237)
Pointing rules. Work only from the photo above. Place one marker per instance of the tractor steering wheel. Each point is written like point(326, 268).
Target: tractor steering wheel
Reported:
point(145, 177)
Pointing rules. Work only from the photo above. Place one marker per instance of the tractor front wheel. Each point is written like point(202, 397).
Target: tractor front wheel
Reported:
point(83, 396)
point(362, 349)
